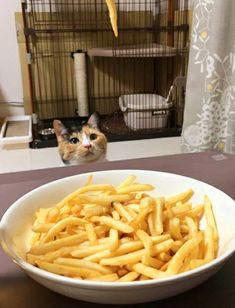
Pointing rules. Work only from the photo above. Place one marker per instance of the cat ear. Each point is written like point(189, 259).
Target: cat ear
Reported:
point(94, 120)
point(60, 130)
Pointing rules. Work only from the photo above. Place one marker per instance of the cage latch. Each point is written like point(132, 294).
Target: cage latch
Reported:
point(29, 31)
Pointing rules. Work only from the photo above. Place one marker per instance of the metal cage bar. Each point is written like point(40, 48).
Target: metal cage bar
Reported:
point(147, 57)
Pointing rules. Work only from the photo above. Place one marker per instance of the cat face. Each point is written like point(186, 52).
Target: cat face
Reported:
point(82, 145)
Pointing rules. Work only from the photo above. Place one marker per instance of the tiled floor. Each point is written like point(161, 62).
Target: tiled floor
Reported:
point(27, 159)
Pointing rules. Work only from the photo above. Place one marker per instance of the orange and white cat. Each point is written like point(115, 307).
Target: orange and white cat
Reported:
point(81, 145)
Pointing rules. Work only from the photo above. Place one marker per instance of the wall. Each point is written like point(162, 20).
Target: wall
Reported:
point(10, 75)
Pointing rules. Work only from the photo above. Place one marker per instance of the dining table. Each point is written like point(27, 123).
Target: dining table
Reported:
point(17, 290)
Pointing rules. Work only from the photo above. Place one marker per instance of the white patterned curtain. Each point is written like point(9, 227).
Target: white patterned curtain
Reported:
point(209, 118)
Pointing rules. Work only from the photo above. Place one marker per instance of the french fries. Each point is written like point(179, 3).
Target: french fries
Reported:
point(123, 234)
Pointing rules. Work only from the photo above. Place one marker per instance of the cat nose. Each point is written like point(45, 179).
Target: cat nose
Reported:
point(87, 146)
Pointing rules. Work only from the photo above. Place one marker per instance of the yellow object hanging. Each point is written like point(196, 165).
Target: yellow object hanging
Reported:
point(113, 15)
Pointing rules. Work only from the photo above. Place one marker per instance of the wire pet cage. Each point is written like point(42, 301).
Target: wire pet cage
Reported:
point(136, 81)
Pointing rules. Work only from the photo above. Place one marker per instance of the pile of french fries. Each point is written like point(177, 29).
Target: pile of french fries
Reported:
point(122, 234)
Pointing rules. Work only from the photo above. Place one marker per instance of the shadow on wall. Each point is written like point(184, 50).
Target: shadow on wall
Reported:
point(9, 109)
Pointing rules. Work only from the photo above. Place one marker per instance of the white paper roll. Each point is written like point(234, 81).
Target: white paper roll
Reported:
point(81, 83)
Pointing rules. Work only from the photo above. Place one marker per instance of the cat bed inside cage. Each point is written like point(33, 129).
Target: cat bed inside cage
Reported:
point(145, 111)
point(16, 131)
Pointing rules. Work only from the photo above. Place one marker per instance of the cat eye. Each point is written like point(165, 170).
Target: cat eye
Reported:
point(74, 140)
point(93, 136)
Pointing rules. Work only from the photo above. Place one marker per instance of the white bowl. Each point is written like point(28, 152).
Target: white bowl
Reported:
point(16, 222)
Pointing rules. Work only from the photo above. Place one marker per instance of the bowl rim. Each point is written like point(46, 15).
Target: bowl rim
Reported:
point(31, 269)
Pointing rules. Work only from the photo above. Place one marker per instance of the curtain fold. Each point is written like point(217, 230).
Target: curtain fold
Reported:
point(209, 116)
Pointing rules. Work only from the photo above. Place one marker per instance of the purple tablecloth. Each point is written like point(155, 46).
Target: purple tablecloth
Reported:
point(19, 291)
